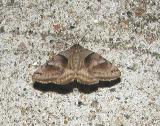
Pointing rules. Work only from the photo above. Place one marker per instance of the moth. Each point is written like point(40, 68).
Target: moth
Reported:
point(76, 64)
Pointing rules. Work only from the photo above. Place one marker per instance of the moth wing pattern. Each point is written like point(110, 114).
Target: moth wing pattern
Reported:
point(86, 52)
point(53, 71)
point(66, 53)
point(83, 75)
point(76, 63)
point(101, 68)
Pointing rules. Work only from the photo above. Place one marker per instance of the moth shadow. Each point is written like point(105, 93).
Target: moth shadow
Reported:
point(65, 89)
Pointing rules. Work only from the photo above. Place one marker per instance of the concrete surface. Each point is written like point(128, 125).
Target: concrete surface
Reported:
point(126, 32)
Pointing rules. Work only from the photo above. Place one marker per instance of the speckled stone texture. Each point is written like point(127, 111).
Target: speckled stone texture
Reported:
point(126, 32)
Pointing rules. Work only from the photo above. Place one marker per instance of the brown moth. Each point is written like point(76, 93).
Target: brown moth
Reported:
point(76, 63)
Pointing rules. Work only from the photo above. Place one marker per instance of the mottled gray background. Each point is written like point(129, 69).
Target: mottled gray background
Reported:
point(126, 32)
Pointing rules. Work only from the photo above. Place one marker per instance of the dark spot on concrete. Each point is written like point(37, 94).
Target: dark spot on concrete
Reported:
point(16, 31)
point(118, 39)
point(80, 103)
point(127, 116)
point(99, 125)
point(99, 0)
point(150, 18)
point(118, 98)
point(88, 7)
point(129, 14)
point(2, 29)
point(112, 90)
point(51, 41)
point(132, 38)
point(72, 27)
point(145, 71)
point(94, 103)
point(12, 1)
point(111, 39)
point(30, 32)
point(16, 53)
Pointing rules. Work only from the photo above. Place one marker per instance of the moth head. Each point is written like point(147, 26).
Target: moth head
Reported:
point(76, 48)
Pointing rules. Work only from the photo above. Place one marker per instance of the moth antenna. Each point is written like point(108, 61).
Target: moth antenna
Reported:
point(77, 40)
point(85, 33)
